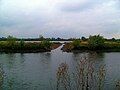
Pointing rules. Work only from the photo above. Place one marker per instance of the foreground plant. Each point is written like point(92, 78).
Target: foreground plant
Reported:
point(85, 76)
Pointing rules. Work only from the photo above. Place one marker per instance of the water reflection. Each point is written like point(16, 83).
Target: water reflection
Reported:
point(22, 58)
point(88, 55)
point(1, 76)
point(75, 71)
point(10, 59)
point(10, 84)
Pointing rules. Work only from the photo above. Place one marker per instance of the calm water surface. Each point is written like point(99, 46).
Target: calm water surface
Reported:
point(37, 71)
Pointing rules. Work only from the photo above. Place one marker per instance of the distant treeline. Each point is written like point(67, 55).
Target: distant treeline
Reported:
point(38, 39)
point(55, 39)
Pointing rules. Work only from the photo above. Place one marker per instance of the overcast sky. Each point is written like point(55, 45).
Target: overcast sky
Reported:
point(60, 18)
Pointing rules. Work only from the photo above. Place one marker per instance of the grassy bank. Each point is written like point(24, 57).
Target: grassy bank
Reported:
point(108, 47)
point(27, 47)
point(94, 43)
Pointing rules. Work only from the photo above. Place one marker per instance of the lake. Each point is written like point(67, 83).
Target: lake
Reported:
point(57, 70)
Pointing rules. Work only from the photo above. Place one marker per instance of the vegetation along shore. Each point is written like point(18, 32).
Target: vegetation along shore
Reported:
point(11, 45)
point(93, 43)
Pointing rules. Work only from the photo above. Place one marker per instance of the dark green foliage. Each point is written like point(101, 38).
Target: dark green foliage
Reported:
point(83, 39)
point(22, 43)
point(41, 37)
point(96, 42)
point(43, 45)
point(76, 44)
point(11, 45)
point(11, 42)
point(46, 44)
point(115, 46)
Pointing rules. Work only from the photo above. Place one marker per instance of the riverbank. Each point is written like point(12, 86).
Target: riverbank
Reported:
point(84, 47)
point(21, 47)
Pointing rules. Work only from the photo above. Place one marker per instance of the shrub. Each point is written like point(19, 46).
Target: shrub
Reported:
point(76, 44)
point(22, 44)
point(46, 44)
point(96, 42)
point(83, 38)
point(11, 42)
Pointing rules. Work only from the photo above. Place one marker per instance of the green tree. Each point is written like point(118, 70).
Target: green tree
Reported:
point(41, 37)
point(96, 42)
point(113, 39)
point(83, 38)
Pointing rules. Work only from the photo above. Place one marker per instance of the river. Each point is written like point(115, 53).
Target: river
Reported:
point(37, 71)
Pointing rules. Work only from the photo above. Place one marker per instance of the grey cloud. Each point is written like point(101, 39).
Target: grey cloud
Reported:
point(102, 17)
point(78, 7)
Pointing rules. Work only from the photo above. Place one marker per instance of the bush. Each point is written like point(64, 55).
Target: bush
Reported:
point(22, 44)
point(11, 42)
point(96, 42)
point(46, 44)
point(76, 44)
